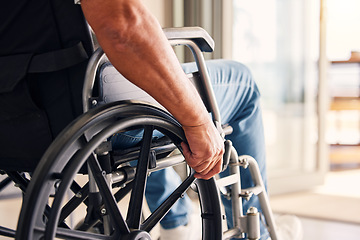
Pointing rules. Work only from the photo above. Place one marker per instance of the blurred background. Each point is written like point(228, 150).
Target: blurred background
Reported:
point(305, 57)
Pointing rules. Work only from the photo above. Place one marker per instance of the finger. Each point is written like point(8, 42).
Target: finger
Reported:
point(186, 150)
point(207, 176)
point(214, 164)
point(203, 167)
point(215, 170)
point(196, 164)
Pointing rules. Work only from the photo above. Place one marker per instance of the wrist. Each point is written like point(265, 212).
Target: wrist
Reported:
point(194, 118)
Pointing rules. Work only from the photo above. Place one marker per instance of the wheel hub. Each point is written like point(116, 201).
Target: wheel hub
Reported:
point(137, 235)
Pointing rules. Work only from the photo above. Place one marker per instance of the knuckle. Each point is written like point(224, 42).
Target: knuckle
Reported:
point(208, 153)
point(222, 151)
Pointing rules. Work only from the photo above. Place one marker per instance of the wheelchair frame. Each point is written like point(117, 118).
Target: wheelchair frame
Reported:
point(99, 122)
point(203, 84)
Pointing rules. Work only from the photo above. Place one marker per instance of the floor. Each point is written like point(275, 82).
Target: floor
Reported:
point(328, 230)
point(314, 229)
point(340, 183)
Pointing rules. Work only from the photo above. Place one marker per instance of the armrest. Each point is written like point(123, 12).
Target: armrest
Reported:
point(196, 34)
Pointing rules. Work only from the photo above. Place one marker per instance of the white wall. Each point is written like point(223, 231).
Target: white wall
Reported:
point(161, 9)
point(343, 25)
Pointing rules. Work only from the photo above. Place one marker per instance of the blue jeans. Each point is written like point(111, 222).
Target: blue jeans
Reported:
point(238, 98)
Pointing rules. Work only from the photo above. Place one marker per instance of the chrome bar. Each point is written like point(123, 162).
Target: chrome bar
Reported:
point(263, 198)
point(254, 190)
point(90, 75)
point(253, 223)
point(228, 180)
point(235, 192)
point(200, 62)
point(168, 162)
point(228, 130)
point(119, 176)
point(231, 233)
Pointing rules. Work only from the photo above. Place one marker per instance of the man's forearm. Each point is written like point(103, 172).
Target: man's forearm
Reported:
point(135, 44)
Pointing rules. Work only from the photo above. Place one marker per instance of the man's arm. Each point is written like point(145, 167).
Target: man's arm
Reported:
point(135, 44)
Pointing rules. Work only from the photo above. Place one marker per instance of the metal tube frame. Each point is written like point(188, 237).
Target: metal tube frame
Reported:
point(262, 195)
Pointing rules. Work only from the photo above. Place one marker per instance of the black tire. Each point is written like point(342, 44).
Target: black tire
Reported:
point(74, 150)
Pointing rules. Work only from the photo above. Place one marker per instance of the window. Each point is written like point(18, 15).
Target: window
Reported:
point(279, 41)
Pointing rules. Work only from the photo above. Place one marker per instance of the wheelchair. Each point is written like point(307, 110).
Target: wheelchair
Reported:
point(81, 175)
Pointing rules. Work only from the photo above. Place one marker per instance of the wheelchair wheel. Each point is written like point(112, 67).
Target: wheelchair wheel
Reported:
point(81, 176)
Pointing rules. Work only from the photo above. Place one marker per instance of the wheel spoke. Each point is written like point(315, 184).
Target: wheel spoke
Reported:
point(137, 195)
point(119, 195)
point(109, 200)
point(161, 211)
point(74, 202)
point(123, 192)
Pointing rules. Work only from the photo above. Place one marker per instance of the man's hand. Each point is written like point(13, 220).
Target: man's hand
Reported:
point(204, 151)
